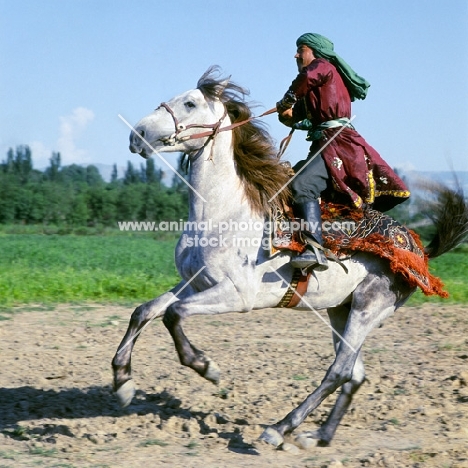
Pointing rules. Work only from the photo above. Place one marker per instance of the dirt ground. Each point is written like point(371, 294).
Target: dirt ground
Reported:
point(57, 408)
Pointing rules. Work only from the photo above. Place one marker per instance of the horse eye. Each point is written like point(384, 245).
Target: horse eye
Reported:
point(190, 104)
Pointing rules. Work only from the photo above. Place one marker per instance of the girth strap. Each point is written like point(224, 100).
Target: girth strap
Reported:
point(297, 288)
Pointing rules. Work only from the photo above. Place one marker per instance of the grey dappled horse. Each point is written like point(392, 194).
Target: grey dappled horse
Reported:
point(235, 180)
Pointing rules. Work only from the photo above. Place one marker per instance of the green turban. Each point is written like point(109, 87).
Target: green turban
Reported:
point(323, 48)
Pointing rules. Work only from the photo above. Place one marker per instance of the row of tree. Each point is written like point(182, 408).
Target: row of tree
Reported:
point(78, 196)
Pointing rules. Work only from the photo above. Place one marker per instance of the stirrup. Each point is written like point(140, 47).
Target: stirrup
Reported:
point(310, 259)
point(322, 262)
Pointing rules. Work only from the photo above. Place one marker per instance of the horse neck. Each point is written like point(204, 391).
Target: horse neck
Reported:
point(217, 190)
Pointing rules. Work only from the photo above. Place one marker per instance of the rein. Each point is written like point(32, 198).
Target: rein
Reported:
point(214, 129)
point(234, 125)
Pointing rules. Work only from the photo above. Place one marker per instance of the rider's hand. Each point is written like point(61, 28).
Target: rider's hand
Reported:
point(286, 117)
point(287, 102)
point(287, 114)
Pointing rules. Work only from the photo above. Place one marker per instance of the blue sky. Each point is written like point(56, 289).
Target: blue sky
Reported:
point(68, 68)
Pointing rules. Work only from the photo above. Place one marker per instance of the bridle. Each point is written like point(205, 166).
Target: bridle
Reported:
point(214, 129)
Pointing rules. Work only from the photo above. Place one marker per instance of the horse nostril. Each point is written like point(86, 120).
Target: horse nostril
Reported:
point(136, 136)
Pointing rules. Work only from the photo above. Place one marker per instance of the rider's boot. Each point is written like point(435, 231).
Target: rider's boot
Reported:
point(313, 256)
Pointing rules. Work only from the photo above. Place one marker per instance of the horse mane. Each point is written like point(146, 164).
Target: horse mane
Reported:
point(263, 176)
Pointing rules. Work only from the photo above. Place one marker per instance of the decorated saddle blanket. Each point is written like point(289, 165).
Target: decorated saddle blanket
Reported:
point(348, 230)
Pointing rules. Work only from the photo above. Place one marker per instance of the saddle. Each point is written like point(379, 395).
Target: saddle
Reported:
point(348, 230)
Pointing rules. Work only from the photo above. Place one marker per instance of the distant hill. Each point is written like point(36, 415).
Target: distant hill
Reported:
point(445, 177)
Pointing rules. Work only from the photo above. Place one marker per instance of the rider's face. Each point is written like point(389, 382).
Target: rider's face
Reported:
point(304, 56)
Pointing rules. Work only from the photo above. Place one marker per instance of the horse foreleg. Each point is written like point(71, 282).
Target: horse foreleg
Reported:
point(189, 355)
point(121, 363)
point(222, 298)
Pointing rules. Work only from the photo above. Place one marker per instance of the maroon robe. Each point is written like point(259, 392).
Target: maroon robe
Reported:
point(355, 168)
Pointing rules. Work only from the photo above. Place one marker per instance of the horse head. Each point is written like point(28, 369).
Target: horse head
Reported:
point(183, 124)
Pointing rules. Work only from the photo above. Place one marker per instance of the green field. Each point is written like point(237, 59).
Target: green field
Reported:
point(51, 269)
point(452, 268)
point(127, 268)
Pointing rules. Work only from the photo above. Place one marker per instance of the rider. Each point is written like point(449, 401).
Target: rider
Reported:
point(341, 165)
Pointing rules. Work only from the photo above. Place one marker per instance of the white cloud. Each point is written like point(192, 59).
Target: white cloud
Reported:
point(40, 154)
point(71, 128)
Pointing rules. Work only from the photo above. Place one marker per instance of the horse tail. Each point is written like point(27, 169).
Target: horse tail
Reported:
point(449, 214)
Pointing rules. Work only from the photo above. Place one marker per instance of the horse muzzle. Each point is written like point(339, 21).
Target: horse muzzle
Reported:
point(137, 142)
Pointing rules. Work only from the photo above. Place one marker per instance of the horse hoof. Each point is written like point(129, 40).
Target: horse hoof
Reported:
point(212, 372)
point(305, 441)
point(311, 439)
point(272, 437)
point(126, 393)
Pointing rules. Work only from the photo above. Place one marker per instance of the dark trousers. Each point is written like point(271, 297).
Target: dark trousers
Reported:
point(311, 181)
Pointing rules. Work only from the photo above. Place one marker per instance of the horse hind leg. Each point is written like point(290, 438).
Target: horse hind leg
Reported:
point(326, 433)
point(339, 373)
point(338, 318)
point(373, 301)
